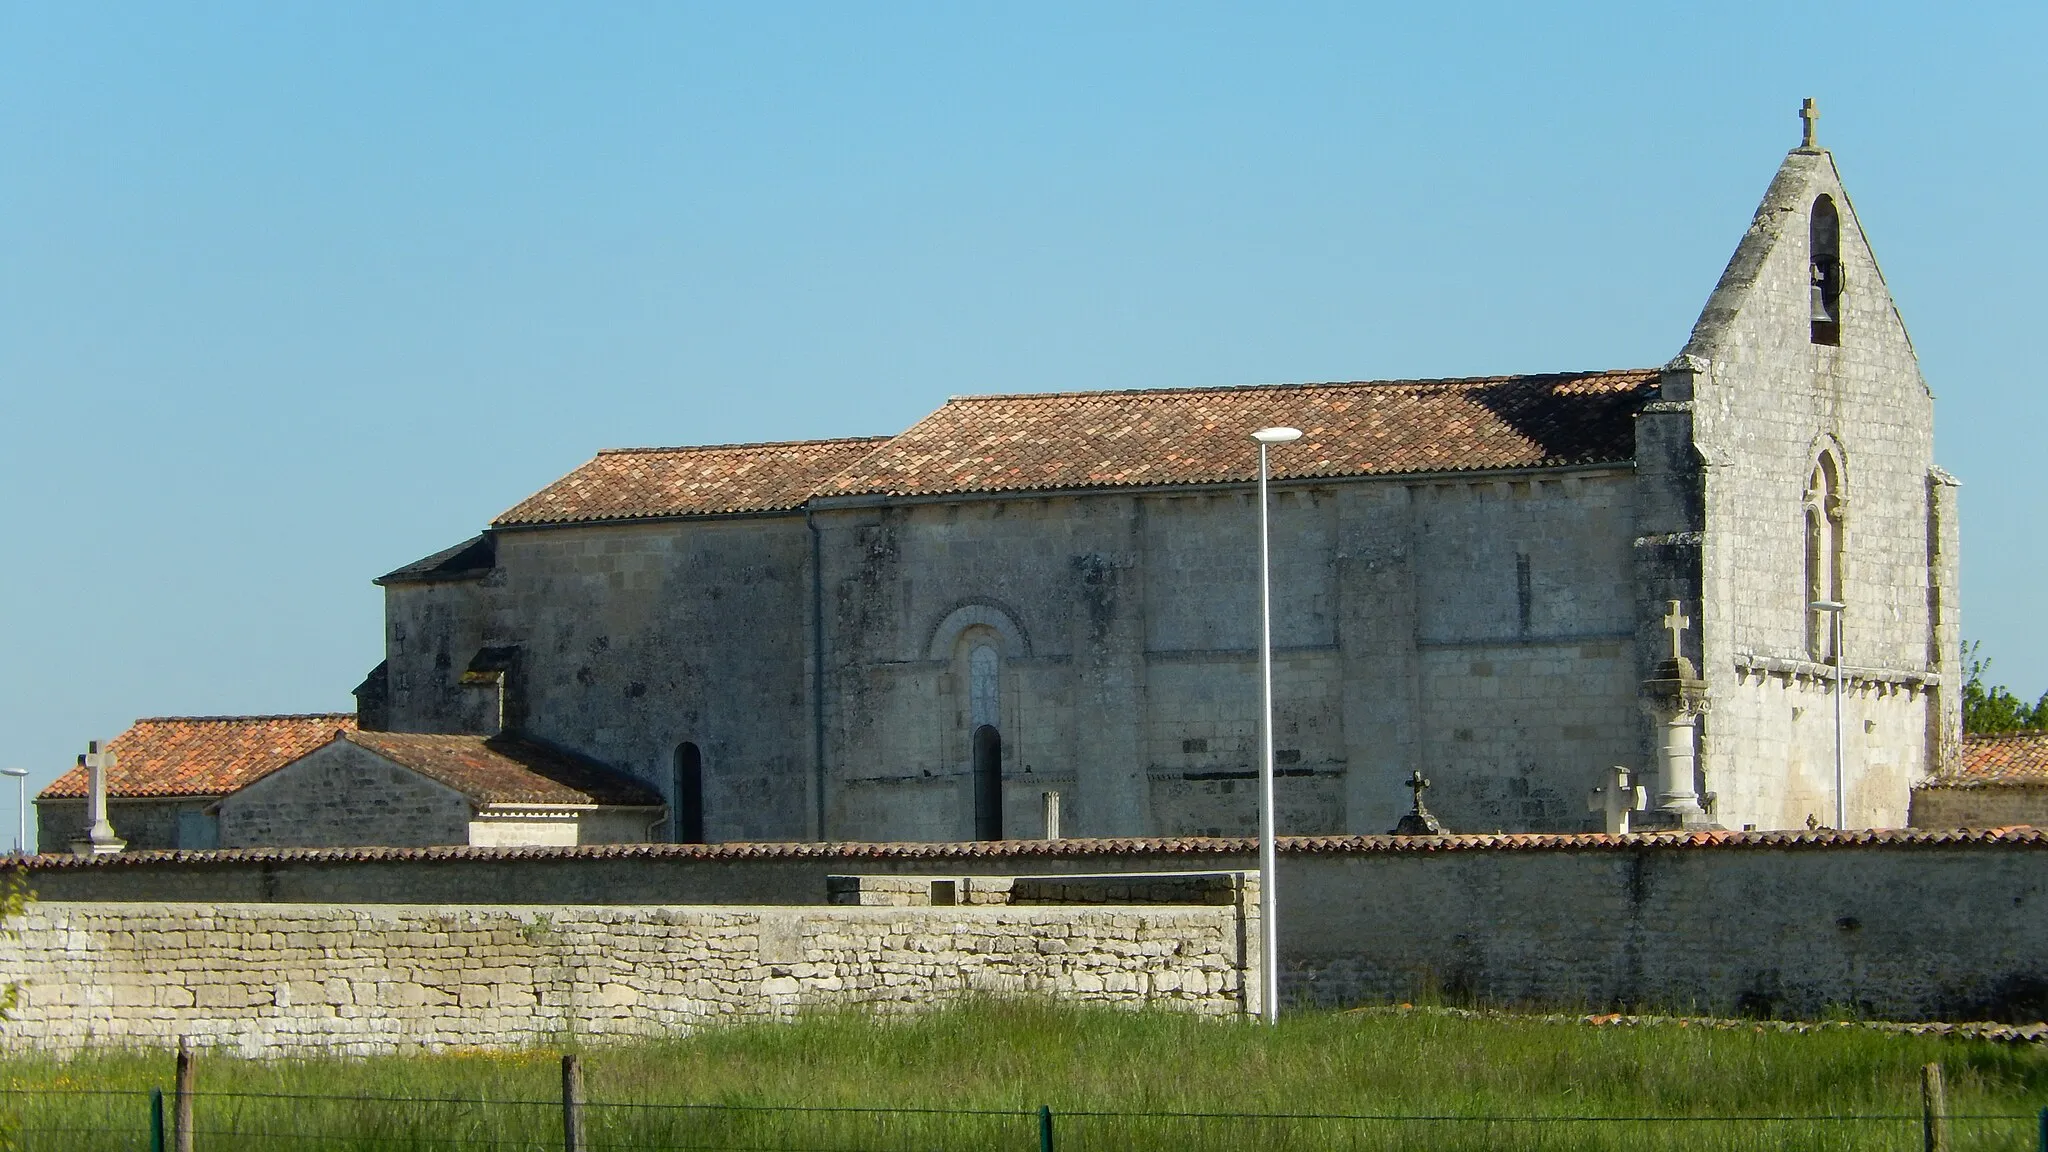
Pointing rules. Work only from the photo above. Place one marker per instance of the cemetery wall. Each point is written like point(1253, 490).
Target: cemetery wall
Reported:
point(1900, 924)
point(267, 980)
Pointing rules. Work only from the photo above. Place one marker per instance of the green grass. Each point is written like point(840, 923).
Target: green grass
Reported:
point(1008, 1058)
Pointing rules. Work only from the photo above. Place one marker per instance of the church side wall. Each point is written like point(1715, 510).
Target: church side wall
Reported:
point(1128, 628)
point(1766, 402)
point(267, 980)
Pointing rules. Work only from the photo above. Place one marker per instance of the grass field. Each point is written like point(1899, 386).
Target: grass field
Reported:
point(975, 1076)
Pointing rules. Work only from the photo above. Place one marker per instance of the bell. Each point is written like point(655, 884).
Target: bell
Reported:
point(1820, 306)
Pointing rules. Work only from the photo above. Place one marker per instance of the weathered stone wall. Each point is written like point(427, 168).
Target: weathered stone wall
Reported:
point(1928, 933)
point(341, 795)
point(275, 980)
point(1911, 924)
point(1988, 806)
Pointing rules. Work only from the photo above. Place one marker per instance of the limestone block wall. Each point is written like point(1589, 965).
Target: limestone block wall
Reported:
point(274, 980)
point(1903, 924)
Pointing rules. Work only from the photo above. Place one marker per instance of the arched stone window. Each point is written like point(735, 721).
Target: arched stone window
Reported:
point(687, 810)
point(1825, 248)
point(984, 720)
point(1825, 537)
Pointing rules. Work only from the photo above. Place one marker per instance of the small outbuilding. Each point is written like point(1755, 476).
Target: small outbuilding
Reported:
point(407, 789)
point(2003, 782)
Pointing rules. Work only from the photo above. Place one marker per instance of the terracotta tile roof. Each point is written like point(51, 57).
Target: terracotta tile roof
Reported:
point(1202, 435)
point(2013, 758)
point(633, 483)
point(507, 769)
point(203, 755)
point(1207, 850)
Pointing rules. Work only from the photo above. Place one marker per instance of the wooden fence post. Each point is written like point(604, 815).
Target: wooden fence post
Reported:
point(181, 1113)
point(1933, 1110)
point(572, 1103)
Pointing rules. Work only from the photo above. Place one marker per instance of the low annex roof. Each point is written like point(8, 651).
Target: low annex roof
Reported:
point(2011, 759)
point(203, 755)
point(1092, 440)
point(507, 769)
point(637, 483)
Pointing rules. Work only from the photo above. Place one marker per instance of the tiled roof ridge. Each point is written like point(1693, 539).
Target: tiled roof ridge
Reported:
point(1822, 839)
point(1210, 389)
point(2020, 734)
point(652, 449)
point(245, 718)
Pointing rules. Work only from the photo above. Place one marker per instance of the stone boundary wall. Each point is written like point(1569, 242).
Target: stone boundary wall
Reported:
point(266, 980)
point(1904, 925)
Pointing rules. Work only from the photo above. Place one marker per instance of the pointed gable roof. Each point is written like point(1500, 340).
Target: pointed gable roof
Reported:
point(165, 756)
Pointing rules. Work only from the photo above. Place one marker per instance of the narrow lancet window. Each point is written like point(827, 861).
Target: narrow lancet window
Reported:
point(1824, 553)
point(1825, 247)
point(984, 711)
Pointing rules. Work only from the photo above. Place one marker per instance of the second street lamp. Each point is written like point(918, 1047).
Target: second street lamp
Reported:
point(1269, 932)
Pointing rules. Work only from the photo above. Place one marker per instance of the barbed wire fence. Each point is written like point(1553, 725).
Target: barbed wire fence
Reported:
point(92, 1120)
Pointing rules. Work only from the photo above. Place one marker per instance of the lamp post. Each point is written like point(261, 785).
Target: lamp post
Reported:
point(21, 787)
point(1269, 933)
point(1833, 609)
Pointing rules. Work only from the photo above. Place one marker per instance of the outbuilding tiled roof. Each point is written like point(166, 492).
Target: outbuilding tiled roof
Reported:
point(636, 483)
point(507, 769)
point(2012, 758)
point(1070, 440)
point(1205, 850)
point(203, 755)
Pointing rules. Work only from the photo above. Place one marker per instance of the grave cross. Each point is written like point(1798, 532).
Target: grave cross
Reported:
point(1416, 783)
point(1676, 622)
point(1809, 115)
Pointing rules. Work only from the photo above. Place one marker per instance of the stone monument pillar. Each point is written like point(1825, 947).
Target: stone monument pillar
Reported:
point(97, 837)
point(1677, 697)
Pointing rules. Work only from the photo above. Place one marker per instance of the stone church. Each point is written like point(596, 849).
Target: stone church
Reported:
point(917, 637)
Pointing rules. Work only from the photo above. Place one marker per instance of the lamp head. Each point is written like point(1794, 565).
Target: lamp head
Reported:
point(13, 772)
point(1827, 605)
point(1276, 435)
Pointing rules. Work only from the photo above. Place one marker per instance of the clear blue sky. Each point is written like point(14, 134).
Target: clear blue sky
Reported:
point(293, 294)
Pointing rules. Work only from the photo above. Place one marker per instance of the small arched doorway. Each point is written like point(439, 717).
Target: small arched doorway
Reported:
point(689, 794)
point(988, 783)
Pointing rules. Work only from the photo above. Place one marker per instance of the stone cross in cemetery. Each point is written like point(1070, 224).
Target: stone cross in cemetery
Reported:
point(1419, 821)
point(97, 837)
point(1618, 799)
point(1676, 696)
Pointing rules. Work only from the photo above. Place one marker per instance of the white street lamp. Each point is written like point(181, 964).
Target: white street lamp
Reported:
point(21, 786)
point(1834, 608)
point(1269, 944)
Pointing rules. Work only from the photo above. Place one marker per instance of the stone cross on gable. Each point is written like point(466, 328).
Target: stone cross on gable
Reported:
point(1676, 622)
point(1416, 783)
point(1809, 116)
